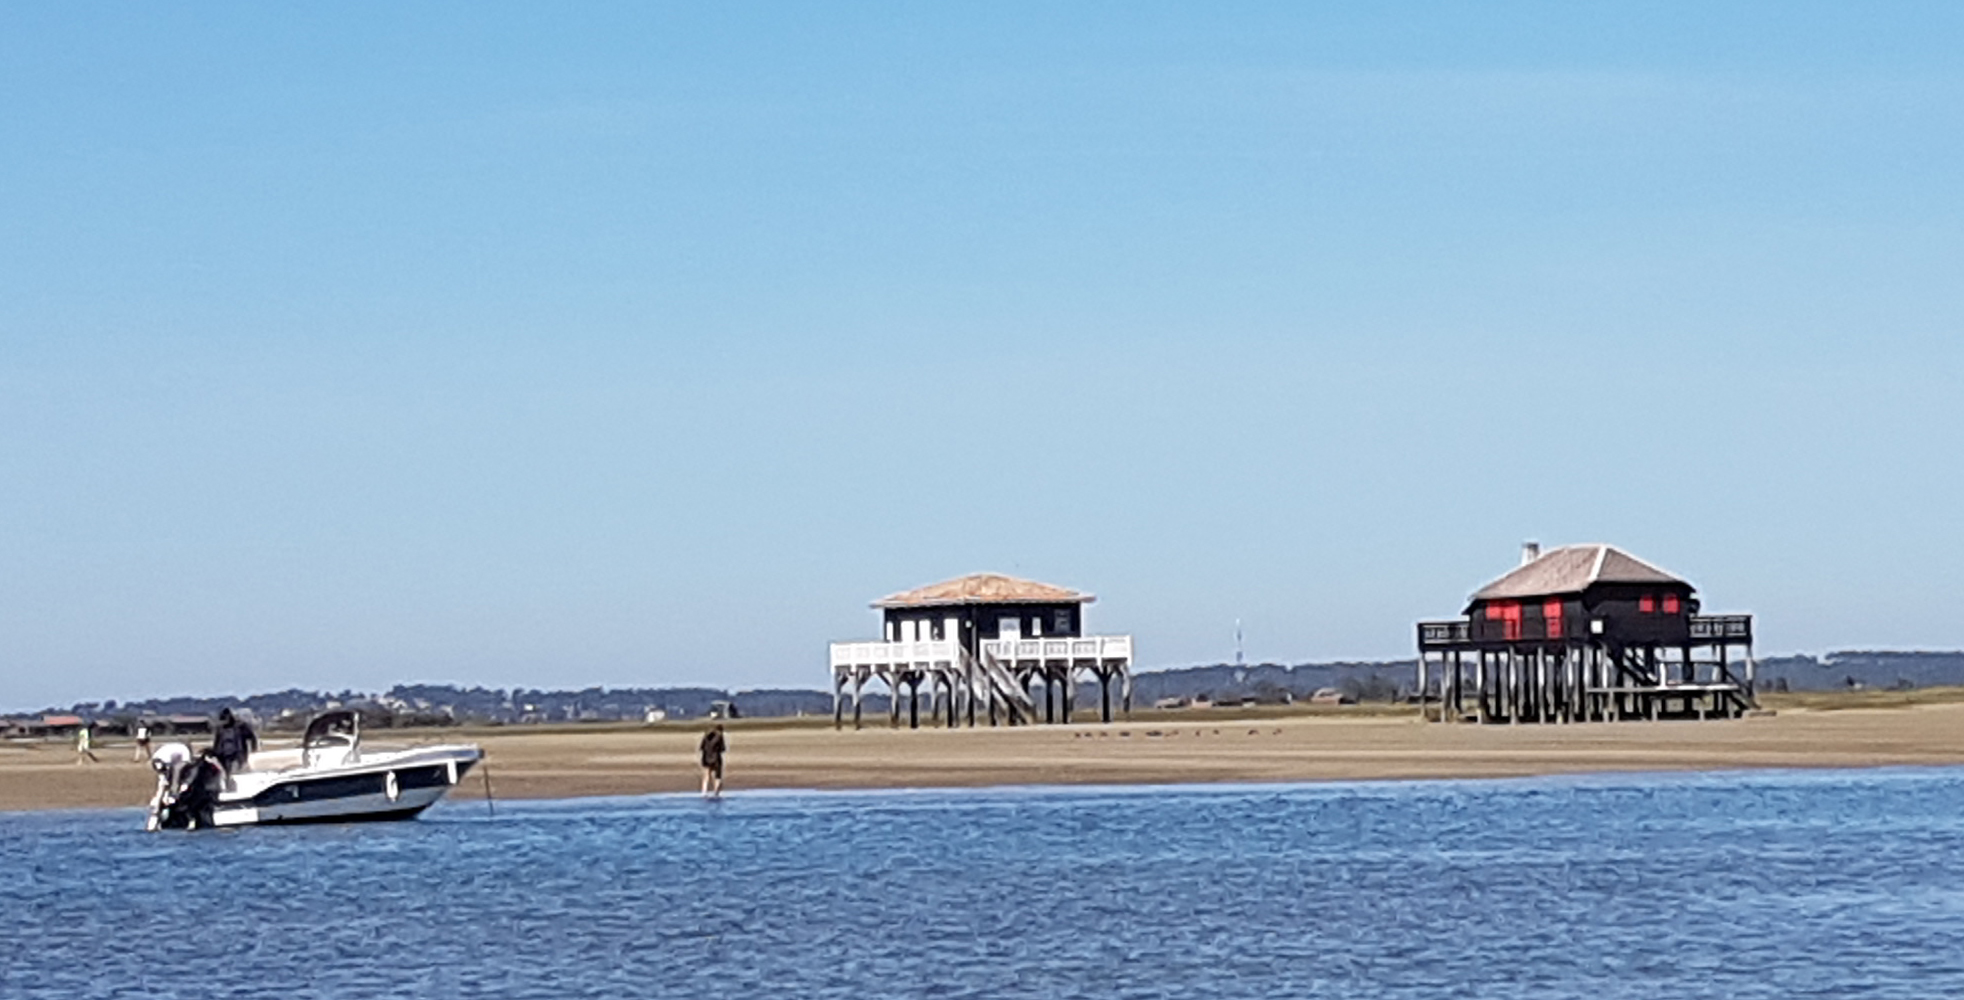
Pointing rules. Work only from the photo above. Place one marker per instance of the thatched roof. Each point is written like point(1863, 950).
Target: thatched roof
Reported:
point(1571, 569)
point(983, 588)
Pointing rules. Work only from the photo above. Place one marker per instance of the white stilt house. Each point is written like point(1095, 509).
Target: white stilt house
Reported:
point(985, 647)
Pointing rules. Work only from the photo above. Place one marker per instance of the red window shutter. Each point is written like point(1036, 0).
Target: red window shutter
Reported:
point(1493, 612)
point(1551, 609)
point(1670, 604)
point(1647, 604)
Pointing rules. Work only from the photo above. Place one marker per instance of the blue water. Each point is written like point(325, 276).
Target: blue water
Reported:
point(1838, 884)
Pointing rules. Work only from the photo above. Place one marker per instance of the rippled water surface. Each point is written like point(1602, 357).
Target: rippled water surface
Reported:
point(1784, 885)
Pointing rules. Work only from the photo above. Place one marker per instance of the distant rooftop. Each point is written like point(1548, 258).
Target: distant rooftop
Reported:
point(984, 588)
point(1572, 569)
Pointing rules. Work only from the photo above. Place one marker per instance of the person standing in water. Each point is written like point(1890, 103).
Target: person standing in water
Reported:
point(711, 749)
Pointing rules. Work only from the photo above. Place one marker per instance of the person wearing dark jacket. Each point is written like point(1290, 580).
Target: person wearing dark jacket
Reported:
point(234, 742)
point(711, 751)
point(198, 797)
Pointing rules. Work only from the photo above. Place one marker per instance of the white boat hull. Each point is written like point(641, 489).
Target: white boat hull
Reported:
point(388, 786)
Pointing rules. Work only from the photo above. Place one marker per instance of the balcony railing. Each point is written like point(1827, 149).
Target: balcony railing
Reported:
point(1075, 649)
point(1739, 627)
point(1706, 628)
point(889, 654)
point(1088, 647)
point(1445, 633)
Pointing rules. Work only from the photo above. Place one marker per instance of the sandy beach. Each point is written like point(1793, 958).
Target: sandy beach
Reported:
point(1161, 748)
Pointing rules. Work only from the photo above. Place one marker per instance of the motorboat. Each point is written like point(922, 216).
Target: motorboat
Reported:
point(328, 778)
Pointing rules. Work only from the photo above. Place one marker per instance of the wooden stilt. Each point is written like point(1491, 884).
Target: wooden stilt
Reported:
point(1580, 697)
point(1541, 691)
point(1613, 668)
point(1449, 663)
point(1425, 712)
point(1656, 680)
point(1513, 687)
point(1752, 696)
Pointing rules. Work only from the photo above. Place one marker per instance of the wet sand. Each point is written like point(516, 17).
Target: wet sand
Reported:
point(1165, 748)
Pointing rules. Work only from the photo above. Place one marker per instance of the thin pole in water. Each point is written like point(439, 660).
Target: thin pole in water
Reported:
point(489, 803)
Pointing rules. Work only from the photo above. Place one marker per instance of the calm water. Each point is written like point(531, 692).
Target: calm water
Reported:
point(1785, 885)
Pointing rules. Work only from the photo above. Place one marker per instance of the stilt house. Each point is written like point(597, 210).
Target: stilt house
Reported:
point(1585, 633)
point(984, 646)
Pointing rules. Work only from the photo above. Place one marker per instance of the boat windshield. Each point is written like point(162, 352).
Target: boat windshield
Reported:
point(331, 729)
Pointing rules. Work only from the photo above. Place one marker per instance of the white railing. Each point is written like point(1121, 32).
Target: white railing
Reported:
point(1088, 647)
point(888, 654)
point(1063, 649)
point(990, 679)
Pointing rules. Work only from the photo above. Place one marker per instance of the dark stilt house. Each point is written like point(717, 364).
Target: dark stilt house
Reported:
point(983, 646)
point(1585, 633)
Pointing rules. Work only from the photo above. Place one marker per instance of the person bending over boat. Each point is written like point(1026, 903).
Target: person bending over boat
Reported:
point(197, 798)
point(712, 748)
point(170, 762)
point(187, 788)
point(234, 743)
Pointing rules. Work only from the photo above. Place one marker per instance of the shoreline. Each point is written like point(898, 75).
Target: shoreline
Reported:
point(1150, 749)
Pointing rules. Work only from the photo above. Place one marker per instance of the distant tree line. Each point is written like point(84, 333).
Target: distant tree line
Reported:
point(1273, 683)
point(443, 705)
point(1370, 680)
point(1857, 669)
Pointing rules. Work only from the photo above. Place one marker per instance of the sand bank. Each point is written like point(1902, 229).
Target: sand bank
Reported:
point(1165, 748)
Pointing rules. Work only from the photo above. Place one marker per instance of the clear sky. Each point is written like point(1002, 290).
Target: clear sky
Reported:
point(555, 345)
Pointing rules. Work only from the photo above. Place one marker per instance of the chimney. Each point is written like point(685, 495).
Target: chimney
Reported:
point(1530, 551)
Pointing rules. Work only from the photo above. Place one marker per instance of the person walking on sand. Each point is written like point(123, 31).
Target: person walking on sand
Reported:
point(142, 741)
point(84, 746)
point(711, 749)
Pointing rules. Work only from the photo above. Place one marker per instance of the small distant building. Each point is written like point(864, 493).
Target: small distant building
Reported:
point(42, 727)
point(985, 646)
point(1585, 633)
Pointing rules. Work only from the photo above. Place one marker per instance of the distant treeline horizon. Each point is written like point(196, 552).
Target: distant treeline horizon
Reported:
point(1366, 680)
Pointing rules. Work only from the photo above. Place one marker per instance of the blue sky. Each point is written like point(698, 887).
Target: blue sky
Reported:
point(642, 345)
